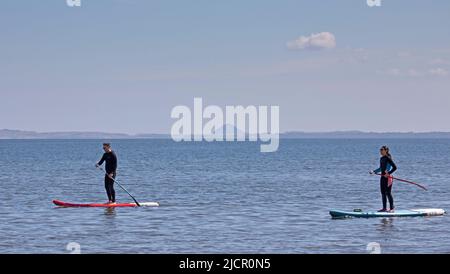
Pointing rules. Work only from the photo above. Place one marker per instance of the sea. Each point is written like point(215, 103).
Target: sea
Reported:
point(221, 197)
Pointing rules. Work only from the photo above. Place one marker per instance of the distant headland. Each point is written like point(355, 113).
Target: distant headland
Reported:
point(22, 134)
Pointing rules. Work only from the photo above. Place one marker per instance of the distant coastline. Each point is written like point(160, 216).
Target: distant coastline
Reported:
point(365, 135)
point(22, 134)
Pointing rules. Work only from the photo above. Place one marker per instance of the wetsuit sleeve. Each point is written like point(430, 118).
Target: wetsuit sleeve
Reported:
point(114, 162)
point(378, 170)
point(101, 160)
point(394, 167)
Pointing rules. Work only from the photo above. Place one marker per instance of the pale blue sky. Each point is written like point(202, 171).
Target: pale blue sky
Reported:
point(121, 66)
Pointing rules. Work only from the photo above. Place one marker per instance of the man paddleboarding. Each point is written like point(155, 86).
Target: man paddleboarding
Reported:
point(110, 159)
point(387, 167)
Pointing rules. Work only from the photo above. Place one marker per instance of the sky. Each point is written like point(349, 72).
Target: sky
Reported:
point(121, 66)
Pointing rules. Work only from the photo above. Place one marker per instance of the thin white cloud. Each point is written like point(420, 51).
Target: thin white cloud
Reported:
point(393, 72)
point(404, 54)
point(322, 40)
point(439, 72)
point(439, 61)
point(416, 73)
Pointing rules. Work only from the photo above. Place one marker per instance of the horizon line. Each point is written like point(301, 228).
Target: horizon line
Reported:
point(284, 132)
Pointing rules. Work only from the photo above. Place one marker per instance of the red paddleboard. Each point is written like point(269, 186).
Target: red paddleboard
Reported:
point(64, 204)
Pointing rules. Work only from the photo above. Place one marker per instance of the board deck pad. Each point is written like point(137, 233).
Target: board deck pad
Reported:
point(65, 204)
point(396, 213)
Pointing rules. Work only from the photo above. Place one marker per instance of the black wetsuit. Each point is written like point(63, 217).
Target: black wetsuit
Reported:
point(110, 159)
point(386, 163)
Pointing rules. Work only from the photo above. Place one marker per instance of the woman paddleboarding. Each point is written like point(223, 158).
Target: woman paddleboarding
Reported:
point(387, 167)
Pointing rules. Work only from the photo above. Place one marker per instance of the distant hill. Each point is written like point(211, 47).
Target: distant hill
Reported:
point(365, 135)
point(21, 134)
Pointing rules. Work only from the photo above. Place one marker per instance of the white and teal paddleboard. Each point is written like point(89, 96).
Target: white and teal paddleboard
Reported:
point(396, 213)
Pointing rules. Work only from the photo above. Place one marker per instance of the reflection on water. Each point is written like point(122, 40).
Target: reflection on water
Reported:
point(386, 223)
point(110, 211)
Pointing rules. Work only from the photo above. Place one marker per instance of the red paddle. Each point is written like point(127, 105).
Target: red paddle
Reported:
point(405, 181)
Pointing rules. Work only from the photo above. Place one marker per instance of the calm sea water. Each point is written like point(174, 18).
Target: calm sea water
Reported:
point(220, 197)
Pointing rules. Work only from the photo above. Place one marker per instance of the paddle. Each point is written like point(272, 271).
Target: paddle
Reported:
point(405, 181)
point(120, 186)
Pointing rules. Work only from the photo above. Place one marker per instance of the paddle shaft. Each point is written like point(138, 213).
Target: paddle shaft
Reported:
point(405, 181)
point(114, 180)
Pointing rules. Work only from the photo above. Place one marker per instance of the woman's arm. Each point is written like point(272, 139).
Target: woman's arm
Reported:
point(393, 165)
point(378, 170)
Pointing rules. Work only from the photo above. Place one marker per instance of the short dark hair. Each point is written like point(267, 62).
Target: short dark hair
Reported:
point(107, 144)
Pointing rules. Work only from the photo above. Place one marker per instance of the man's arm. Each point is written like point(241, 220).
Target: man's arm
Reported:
point(101, 161)
point(114, 162)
